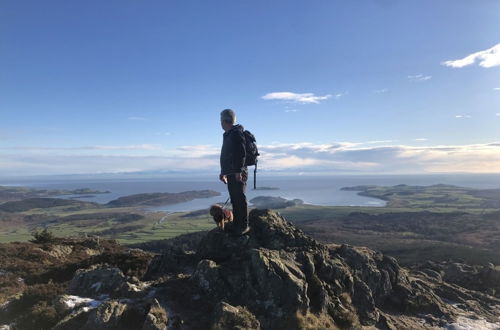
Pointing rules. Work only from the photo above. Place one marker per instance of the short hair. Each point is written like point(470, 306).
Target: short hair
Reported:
point(228, 116)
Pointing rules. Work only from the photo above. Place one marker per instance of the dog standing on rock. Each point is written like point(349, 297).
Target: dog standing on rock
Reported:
point(221, 215)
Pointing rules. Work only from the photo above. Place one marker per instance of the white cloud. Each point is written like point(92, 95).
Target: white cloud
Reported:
point(376, 142)
point(421, 139)
point(463, 116)
point(497, 88)
point(136, 118)
point(296, 97)
point(291, 110)
point(418, 78)
point(498, 114)
point(380, 91)
point(487, 59)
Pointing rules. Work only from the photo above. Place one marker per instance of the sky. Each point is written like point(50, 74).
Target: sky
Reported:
point(326, 86)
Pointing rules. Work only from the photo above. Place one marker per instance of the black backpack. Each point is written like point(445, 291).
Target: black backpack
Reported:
point(251, 149)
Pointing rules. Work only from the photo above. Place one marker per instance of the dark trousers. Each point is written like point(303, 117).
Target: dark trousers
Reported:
point(238, 199)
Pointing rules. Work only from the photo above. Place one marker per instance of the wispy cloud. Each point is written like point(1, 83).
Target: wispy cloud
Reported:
point(296, 97)
point(339, 95)
point(463, 116)
point(380, 91)
point(197, 151)
point(136, 118)
point(291, 110)
point(498, 114)
point(487, 59)
point(421, 139)
point(163, 133)
point(419, 78)
point(497, 88)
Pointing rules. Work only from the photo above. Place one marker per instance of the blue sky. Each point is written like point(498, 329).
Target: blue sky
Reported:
point(326, 86)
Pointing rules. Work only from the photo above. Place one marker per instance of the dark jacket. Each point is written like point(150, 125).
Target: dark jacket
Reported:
point(232, 155)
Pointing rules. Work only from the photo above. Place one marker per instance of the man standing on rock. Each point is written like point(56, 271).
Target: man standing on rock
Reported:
point(233, 172)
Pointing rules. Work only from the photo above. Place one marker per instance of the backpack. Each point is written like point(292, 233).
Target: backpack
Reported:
point(251, 149)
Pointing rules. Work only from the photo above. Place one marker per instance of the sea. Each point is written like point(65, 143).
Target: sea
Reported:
point(317, 190)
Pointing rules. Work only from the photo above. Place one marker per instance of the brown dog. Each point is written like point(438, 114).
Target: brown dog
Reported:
point(221, 216)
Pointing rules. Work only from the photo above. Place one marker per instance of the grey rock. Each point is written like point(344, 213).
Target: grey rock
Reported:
point(96, 281)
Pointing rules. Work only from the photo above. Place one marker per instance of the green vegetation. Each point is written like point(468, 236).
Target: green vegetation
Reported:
point(43, 236)
point(127, 224)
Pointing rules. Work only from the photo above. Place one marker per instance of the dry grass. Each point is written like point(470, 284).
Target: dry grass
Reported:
point(311, 321)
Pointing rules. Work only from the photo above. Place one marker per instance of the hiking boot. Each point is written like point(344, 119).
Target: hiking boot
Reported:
point(241, 231)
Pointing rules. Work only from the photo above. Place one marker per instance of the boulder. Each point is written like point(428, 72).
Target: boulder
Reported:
point(96, 281)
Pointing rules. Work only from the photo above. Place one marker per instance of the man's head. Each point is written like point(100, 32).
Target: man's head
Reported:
point(227, 119)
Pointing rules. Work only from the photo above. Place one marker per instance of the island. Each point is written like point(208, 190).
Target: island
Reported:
point(8, 193)
point(159, 198)
point(271, 202)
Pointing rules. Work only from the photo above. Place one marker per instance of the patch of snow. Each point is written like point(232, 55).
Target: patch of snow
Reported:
point(464, 323)
point(75, 301)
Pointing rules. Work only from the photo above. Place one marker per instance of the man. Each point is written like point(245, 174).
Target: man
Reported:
point(234, 173)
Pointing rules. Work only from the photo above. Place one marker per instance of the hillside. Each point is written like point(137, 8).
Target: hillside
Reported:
point(44, 203)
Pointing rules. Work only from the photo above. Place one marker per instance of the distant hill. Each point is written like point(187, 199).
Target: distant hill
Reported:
point(41, 203)
point(156, 199)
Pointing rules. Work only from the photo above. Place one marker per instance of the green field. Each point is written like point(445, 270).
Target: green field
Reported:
point(419, 223)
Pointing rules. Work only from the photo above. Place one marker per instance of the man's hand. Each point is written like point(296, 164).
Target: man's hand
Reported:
point(223, 178)
point(238, 177)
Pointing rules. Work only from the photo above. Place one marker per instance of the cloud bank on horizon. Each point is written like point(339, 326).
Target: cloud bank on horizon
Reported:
point(370, 157)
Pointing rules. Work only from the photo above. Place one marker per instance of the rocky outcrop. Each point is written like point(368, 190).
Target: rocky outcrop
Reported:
point(482, 278)
point(115, 314)
point(278, 272)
